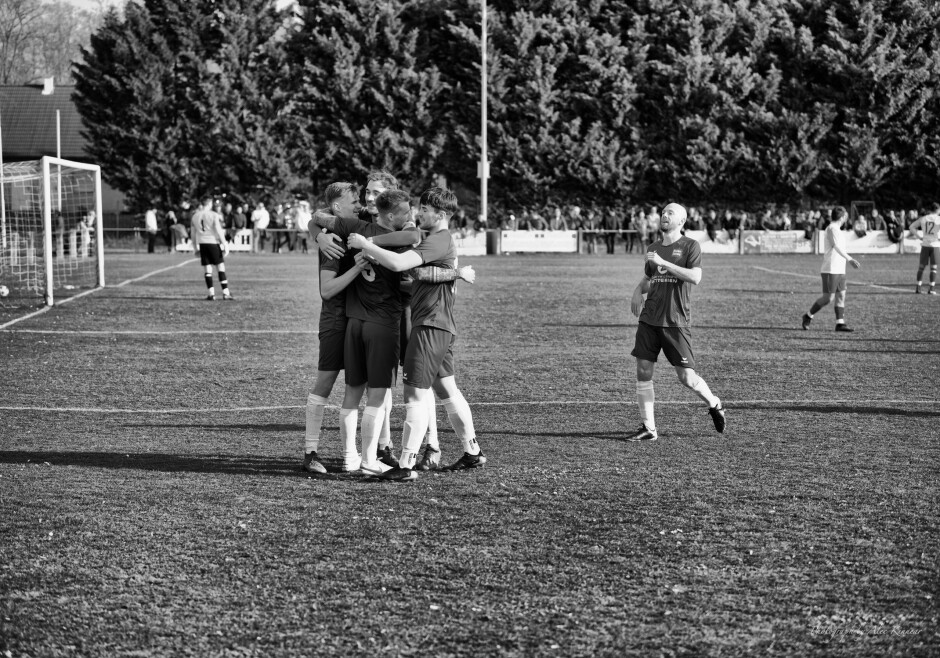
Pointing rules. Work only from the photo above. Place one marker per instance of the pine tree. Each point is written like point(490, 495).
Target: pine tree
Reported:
point(362, 95)
point(181, 98)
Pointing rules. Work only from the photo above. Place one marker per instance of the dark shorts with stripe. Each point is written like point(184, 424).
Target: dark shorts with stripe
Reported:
point(210, 254)
point(929, 256)
point(832, 282)
point(332, 345)
point(430, 355)
point(674, 342)
point(371, 354)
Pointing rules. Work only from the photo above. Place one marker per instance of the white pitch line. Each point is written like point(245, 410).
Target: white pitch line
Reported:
point(144, 332)
point(809, 276)
point(522, 403)
point(45, 309)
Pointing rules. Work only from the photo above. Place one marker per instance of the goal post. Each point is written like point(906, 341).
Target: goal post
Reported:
point(51, 234)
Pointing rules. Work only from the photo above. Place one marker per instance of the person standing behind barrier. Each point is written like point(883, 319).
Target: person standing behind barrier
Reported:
point(209, 242)
point(150, 225)
point(929, 247)
point(833, 271)
point(260, 218)
point(610, 223)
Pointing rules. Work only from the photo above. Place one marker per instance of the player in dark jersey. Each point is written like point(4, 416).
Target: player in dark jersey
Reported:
point(373, 312)
point(332, 246)
point(335, 277)
point(673, 266)
point(429, 360)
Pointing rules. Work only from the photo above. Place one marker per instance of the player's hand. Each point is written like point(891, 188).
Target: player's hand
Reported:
point(362, 261)
point(330, 245)
point(654, 258)
point(855, 263)
point(466, 273)
point(356, 241)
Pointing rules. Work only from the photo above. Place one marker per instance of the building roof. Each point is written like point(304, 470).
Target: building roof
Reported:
point(28, 123)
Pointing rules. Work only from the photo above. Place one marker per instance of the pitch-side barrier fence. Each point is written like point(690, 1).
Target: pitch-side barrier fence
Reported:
point(496, 242)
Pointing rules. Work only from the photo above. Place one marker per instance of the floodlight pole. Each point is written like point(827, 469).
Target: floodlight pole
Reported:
point(484, 164)
point(3, 203)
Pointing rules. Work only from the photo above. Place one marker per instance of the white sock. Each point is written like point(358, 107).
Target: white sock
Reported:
point(416, 424)
point(347, 430)
point(315, 406)
point(701, 389)
point(431, 438)
point(371, 426)
point(385, 436)
point(645, 399)
point(458, 412)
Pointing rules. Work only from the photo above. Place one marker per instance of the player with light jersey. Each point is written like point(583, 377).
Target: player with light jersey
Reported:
point(429, 360)
point(673, 266)
point(833, 270)
point(929, 247)
point(208, 238)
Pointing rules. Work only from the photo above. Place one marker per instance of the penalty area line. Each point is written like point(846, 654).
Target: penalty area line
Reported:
point(848, 403)
point(45, 309)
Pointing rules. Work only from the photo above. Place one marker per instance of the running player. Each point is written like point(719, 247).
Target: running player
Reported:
point(833, 271)
point(673, 266)
point(929, 247)
point(429, 360)
point(208, 238)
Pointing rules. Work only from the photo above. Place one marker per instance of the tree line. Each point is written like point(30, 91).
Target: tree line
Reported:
point(707, 101)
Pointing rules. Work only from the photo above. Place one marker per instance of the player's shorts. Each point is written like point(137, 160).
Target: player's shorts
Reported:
point(674, 342)
point(370, 354)
point(210, 254)
point(929, 256)
point(832, 283)
point(430, 355)
point(332, 346)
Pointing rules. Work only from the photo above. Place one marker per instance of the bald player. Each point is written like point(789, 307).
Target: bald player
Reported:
point(673, 266)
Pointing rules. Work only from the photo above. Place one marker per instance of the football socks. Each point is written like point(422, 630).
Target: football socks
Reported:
point(701, 389)
point(458, 412)
point(372, 418)
point(646, 399)
point(315, 407)
point(347, 431)
point(414, 428)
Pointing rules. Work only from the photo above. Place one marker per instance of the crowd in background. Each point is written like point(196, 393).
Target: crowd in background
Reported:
point(275, 226)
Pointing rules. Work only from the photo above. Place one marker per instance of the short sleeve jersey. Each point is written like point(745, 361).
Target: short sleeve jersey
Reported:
point(333, 310)
point(930, 225)
point(667, 302)
point(207, 227)
point(432, 304)
point(833, 263)
point(375, 295)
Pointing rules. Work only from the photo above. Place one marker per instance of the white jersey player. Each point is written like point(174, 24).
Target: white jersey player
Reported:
point(929, 247)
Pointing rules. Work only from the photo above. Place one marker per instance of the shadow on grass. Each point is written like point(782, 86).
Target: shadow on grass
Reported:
point(224, 427)
point(169, 463)
point(842, 409)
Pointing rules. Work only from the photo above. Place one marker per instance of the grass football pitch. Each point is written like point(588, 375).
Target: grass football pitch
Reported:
point(151, 502)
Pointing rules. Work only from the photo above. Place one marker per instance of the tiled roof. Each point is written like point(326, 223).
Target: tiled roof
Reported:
point(28, 123)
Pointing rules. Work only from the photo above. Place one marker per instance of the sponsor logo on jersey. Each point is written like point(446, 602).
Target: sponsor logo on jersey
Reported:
point(676, 253)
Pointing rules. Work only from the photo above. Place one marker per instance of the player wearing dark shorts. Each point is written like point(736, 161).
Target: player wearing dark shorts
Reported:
point(373, 312)
point(208, 238)
point(429, 358)
point(673, 266)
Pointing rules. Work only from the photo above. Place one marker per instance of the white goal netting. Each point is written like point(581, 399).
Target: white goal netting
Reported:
point(50, 228)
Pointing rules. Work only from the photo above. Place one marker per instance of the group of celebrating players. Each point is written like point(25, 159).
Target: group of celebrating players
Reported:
point(387, 277)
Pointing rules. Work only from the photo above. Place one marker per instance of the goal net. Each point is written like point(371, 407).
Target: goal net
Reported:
point(50, 230)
